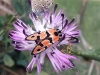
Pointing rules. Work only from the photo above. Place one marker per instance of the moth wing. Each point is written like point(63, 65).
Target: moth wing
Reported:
point(41, 46)
point(32, 37)
point(38, 49)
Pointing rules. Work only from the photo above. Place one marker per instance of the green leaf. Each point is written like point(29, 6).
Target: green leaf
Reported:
point(21, 6)
point(1, 32)
point(22, 62)
point(18, 7)
point(2, 20)
point(8, 61)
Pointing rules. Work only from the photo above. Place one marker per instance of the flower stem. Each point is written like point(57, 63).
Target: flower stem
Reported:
point(91, 54)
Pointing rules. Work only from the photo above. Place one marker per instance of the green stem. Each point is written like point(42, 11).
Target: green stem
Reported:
point(87, 54)
point(10, 21)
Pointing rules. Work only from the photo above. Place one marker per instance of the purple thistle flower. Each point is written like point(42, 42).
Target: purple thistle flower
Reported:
point(59, 60)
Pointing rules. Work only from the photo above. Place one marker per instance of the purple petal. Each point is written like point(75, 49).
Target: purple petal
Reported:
point(55, 7)
point(54, 66)
point(38, 66)
point(31, 64)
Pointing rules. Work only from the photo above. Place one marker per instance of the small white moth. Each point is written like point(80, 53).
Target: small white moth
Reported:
point(40, 6)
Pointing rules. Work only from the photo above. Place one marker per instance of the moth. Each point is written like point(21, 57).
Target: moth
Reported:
point(44, 39)
point(40, 6)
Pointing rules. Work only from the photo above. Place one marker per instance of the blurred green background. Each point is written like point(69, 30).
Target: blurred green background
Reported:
point(87, 14)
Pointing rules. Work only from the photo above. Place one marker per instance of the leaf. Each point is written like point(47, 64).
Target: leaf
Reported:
point(1, 32)
point(18, 7)
point(8, 61)
point(22, 62)
point(2, 20)
point(21, 6)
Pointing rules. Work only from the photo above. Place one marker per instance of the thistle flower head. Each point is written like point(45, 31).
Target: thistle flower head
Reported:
point(57, 21)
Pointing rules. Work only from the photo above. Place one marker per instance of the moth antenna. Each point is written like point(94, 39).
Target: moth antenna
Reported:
point(55, 7)
point(61, 39)
point(77, 40)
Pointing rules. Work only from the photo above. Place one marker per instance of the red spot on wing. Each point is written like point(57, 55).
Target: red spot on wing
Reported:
point(51, 31)
point(46, 43)
point(43, 35)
